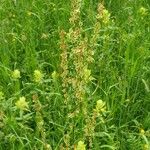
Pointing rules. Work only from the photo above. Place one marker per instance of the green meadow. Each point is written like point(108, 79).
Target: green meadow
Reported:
point(74, 75)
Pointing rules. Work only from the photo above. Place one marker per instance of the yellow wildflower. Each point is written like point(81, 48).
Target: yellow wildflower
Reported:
point(100, 106)
point(106, 16)
point(54, 75)
point(143, 11)
point(37, 76)
point(146, 147)
point(22, 104)
point(48, 147)
point(16, 74)
point(29, 13)
point(142, 131)
point(81, 146)
point(87, 75)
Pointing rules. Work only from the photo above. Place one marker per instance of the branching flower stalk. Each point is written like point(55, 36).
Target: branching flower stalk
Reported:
point(102, 18)
point(95, 35)
point(72, 65)
point(64, 66)
point(39, 121)
point(77, 55)
point(72, 57)
point(90, 125)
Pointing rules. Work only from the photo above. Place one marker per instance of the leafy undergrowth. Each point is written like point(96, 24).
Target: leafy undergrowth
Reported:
point(74, 75)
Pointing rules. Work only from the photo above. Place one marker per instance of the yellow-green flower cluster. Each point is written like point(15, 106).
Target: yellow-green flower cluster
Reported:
point(142, 131)
point(16, 74)
point(81, 146)
point(29, 13)
point(100, 106)
point(106, 16)
point(54, 75)
point(38, 76)
point(146, 147)
point(22, 104)
point(103, 14)
point(48, 147)
point(143, 11)
point(87, 75)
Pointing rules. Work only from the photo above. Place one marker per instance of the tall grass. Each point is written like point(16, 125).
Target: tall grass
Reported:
point(74, 75)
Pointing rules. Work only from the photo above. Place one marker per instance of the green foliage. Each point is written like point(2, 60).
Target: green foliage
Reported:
point(41, 109)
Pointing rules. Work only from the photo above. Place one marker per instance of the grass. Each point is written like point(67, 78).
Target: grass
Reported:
point(74, 75)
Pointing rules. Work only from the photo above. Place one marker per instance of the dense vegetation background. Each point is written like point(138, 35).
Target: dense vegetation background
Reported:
point(75, 74)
